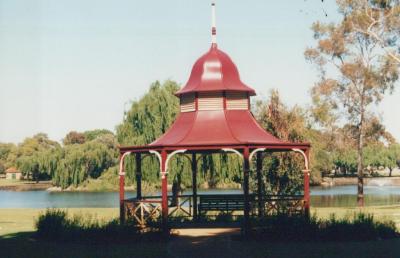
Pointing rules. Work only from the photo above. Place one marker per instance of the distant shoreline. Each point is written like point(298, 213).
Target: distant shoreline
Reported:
point(368, 181)
point(19, 186)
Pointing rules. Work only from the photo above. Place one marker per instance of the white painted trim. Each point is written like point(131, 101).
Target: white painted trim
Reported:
point(170, 156)
point(234, 151)
point(158, 155)
point(255, 151)
point(121, 164)
point(305, 158)
point(165, 172)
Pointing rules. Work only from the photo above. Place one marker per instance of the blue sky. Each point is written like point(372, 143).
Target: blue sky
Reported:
point(75, 65)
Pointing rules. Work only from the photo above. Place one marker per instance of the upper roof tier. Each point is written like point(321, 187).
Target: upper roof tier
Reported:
point(215, 71)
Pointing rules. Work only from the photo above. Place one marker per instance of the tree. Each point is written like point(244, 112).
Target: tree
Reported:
point(8, 154)
point(378, 20)
point(282, 169)
point(354, 71)
point(29, 153)
point(147, 119)
point(74, 137)
point(93, 134)
point(393, 157)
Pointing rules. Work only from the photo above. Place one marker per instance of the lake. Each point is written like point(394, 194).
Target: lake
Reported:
point(338, 196)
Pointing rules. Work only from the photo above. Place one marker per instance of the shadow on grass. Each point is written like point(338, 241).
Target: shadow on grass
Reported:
point(210, 243)
point(221, 245)
point(26, 245)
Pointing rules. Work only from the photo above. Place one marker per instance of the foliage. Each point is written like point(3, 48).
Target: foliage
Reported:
point(74, 138)
point(78, 162)
point(34, 156)
point(56, 225)
point(96, 133)
point(282, 171)
point(356, 67)
point(361, 227)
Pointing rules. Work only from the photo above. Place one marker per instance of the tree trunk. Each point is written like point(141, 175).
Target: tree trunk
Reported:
point(390, 172)
point(360, 165)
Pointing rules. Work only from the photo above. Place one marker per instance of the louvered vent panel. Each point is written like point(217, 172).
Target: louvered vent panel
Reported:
point(210, 101)
point(236, 101)
point(187, 103)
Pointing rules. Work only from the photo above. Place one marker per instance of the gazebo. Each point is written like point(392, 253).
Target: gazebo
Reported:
point(214, 117)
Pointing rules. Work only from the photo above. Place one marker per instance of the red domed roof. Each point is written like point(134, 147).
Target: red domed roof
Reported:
point(215, 71)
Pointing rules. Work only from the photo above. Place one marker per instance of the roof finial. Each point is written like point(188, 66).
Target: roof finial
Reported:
point(213, 28)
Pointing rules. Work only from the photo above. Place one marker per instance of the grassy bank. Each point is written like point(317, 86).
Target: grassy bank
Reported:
point(23, 220)
point(21, 185)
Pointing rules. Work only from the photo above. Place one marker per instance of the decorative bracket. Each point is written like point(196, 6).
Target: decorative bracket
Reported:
point(121, 163)
point(170, 156)
point(165, 172)
point(234, 151)
point(255, 151)
point(305, 159)
point(158, 155)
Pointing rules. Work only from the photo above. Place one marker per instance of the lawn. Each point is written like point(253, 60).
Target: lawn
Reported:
point(17, 225)
point(10, 182)
point(23, 220)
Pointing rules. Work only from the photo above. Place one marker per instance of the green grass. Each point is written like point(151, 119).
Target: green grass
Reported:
point(23, 220)
point(390, 212)
point(14, 242)
point(11, 182)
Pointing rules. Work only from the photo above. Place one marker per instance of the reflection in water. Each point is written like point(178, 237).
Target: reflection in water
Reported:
point(346, 200)
point(344, 196)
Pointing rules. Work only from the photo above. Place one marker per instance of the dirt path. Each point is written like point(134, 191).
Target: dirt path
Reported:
point(203, 242)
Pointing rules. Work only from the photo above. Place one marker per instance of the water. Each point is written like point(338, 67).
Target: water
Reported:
point(346, 196)
point(338, 196)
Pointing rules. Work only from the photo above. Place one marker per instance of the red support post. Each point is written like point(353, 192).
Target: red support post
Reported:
point(194, 185)
point(246, 171)
point(259, 184)
point(138, 176)
point(121, 190)
point(307, 183)
point(164, 190)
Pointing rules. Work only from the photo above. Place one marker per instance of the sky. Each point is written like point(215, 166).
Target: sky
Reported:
point(77, 65)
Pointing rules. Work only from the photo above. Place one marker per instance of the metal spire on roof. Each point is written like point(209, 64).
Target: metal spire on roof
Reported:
point(213, 28)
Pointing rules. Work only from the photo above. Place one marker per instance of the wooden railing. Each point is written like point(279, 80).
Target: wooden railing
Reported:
point(282, 204)
point(142, 211)
point(149, 208)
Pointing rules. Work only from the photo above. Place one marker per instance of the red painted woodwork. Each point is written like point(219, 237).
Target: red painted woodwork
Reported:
point(307, 184)
point(214, 71)
point(216, 127)
point(121, 197)
point(164, 188)
point(246, 171)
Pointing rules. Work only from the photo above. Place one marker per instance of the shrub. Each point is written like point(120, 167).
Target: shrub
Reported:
point(55, 224)
point(360, 227)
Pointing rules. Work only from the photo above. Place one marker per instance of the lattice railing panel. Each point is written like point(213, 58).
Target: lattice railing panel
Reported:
point(143, 211)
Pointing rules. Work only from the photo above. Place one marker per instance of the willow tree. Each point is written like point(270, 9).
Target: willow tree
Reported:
point(148, 118)
point(358, 62)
